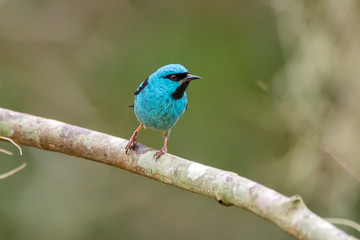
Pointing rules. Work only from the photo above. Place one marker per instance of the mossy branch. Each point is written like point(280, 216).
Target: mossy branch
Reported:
point(229, 189)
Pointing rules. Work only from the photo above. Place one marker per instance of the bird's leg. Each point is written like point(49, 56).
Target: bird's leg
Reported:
point(164, 148)
point(132, 140)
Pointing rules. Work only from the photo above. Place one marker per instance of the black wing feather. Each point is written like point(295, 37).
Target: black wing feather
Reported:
point(142, 86)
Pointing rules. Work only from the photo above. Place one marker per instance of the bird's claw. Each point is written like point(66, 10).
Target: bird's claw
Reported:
point(158, 154)
point(130, 144)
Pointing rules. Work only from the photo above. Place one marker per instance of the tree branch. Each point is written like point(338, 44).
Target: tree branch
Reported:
point(229, 189)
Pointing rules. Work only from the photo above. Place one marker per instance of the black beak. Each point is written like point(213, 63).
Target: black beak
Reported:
point(190, 77)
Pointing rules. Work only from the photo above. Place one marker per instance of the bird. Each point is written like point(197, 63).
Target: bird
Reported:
point(160, 101)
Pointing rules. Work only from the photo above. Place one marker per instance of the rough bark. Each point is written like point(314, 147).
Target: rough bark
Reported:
point(229, 189)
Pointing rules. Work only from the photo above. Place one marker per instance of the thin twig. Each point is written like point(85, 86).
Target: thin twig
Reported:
point(5, 175)
point(10, 140)
point(342, 163)
point(6, 152)
point(345, 222)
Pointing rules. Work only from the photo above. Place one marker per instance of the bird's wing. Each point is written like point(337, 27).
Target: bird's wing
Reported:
point(142, 86)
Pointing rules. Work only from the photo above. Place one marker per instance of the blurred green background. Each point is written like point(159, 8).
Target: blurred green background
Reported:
point(278, 103)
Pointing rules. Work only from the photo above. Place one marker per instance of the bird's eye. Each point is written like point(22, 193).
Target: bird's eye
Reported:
point(173, 77)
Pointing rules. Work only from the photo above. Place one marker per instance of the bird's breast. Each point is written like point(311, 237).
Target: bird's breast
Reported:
point(159, 112)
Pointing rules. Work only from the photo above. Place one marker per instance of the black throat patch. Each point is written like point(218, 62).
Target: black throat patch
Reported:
point(179, 92)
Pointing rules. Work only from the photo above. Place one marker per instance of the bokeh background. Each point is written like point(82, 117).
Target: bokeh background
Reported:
point(278, 103)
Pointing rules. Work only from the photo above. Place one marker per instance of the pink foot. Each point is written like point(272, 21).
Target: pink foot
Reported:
point(131, 143)
point(160, 153)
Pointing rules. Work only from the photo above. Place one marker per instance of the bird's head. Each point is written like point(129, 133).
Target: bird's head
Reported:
point(173, 78)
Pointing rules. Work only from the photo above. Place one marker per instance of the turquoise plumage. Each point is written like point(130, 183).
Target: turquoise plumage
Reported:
point(161, 100)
